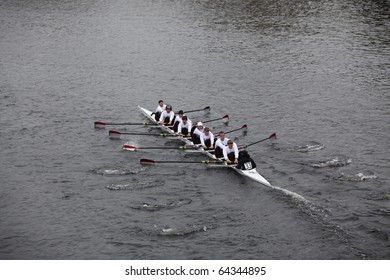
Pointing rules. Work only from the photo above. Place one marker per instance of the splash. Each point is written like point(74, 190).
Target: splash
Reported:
point(338, 161)
point(179, 231)
point(118, 171)
point(135, 185)
point(359, 177)
point(169, 205)
point(310, 147)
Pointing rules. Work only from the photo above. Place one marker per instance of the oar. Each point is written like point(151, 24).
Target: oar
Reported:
point(207, 108)
point(224, 118)
point(242, 127)
point(133, 148)
point(273, 135)
point(116, 134)
point(103, 124)
point(152, 162)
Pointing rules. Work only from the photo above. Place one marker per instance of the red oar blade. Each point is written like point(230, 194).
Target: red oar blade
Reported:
point(145, 161)
point(113, 134)
point(272, 136)
point(129, 148)
point(226, 118)
point(99, 125)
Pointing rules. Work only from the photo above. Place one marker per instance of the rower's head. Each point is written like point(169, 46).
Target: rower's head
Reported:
point(184, 119)
point(161, 103)
point(221, 135)
point(199, 125)
point(180, 113)
point(206, 130)
point(168, 108)
point(230, 143)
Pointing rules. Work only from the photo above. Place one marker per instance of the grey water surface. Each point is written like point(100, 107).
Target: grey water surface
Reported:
point(315, 72)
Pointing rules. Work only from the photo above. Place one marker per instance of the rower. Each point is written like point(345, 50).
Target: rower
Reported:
point(184, 127)
point(198, 131)
point(230, 152)
point(245, 162)
point(160, 108)
point(207, 139)
point(167, 115)
point(220, 144)
point(177, 120)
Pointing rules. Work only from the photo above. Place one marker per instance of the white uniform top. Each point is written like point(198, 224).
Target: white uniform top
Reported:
point(188, 126)
point(160, 109)
point(227, 150)
point(198, 132)
point(204, 137)
point(178, 118)
point(220, 143)
point(165, 114)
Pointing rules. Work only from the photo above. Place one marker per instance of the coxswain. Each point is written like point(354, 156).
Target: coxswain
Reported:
point(220, 144)
point(160, 108)
point(230, 152)
point(198, 131)
point(167, 115)
point(184, 127)
point(207, 139)
point(245, 162)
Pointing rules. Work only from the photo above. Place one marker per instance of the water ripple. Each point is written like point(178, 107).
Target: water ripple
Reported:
point(136, 185)
point(359, 177)
point(337, 161)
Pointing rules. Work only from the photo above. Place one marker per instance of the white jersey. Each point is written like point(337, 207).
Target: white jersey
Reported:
point(221, 143)
point(165, 114)
point(198, 132)
point(160, 109)
point(227, 150)
point(204, 137)
point(181, 125)
point(177, 118)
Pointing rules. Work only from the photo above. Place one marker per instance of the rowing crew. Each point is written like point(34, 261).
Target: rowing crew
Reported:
point(223, 147)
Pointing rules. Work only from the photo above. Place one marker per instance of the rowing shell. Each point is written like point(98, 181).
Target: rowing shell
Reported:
point(252, 173)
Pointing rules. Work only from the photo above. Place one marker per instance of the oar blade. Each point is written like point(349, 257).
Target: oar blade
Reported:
point(99, 125)
point(113, 134)
point(146, 161)
point(129, 148)
point(272, 136)
point(225, 119)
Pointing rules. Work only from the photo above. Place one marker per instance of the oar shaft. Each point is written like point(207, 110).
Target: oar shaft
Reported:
point(224, 117)
point(197, 110)
point(163, 148)
point(273, 135)
point(133, 148)
point(243, 127)
point(150, 161)
point(115, 133)
point(103, 124)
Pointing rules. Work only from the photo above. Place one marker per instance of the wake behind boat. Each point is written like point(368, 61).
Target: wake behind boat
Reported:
point(251, 173)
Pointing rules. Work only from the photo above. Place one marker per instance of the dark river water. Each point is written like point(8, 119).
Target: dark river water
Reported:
point(315, 72)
